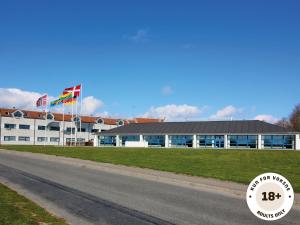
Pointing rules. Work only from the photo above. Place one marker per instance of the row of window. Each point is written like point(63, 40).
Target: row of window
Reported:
point(208, 141)
point(13, 126)
point(51, 128)
point(26, 138)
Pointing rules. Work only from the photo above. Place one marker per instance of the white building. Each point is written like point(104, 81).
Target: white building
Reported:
point(25, 127)
point(242, 134)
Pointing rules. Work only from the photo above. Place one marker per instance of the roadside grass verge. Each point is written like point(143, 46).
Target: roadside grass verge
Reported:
point(231, 165)
point(17, 210)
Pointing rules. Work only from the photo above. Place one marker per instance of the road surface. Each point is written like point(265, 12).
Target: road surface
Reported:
point(85, 195)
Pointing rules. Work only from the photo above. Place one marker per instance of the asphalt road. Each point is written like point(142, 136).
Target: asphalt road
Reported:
point(99, 197)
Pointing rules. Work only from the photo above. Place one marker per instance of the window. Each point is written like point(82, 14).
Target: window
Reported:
point(54, 128)
point(107, 140)
point(18, 114)
point(9, 126)
point(130, 138)
point(24, 127)
point(95, 130)
point(120, 123)
point(50, 116)
point(155, 140)
point(24, 138)
point(42, 139)
point(9, 138)
point(100, 121)
point(41, 127)
point(210, 141)
point(82, 129)
point(70, 139)
point(181, 140)
point(80, 140)
point(243, 141)
point(54, 139)
point(76, 119)
point(278, 141)
point(69, 129)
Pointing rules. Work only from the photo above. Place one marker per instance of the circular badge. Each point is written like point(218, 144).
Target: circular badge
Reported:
point(270, 196)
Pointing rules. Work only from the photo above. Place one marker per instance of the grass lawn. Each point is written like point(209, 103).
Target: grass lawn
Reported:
point(233, 165)
point(17, 210)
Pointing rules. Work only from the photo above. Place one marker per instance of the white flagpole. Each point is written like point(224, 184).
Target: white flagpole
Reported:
point(63, 136)
point(75, 123)
point(71, 141)
point(45, 138)
point(80, 106)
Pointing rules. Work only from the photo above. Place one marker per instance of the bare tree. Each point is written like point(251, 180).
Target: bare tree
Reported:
point(295, 118)
point(284, 122)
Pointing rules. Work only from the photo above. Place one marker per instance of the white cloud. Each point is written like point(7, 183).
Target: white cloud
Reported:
point(167, 90)
point(226, 113)
point(266, 118)
point(174, 112)
point(13, 97)
point(141, 35)
point(90, 105)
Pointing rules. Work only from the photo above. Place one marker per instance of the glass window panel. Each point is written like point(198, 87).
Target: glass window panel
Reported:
point(9, 138)
point(107, 140)
point(23, 138)
point(155, 140)
point(24, 127)
point(41, 127)
point(182, 140)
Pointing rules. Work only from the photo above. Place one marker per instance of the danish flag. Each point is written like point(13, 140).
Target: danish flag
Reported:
point(74, 90)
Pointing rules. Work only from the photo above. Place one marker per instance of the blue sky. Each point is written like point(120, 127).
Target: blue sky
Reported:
point(183, 60)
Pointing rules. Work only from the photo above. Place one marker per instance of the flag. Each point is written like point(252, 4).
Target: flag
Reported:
point(42, 101)
point(66, 96)
point(55, 102)
point(74, 90)
point(67, 99)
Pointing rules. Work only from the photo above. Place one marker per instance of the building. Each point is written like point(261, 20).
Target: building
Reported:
point(243, 134)
point(31, 127)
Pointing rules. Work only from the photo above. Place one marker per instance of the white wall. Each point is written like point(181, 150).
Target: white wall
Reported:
point(136, 144)
point(297, 141)
point(33, 133)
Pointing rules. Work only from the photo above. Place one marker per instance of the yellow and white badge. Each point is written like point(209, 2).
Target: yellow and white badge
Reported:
point(270, 196)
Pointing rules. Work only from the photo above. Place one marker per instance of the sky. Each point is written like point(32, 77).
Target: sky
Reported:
point(179, 60)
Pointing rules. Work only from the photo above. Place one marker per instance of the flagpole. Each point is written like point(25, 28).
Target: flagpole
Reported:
point(71, 141)
point(75, 123)
point(63, 143)
point(46, 121)
point(80, 106)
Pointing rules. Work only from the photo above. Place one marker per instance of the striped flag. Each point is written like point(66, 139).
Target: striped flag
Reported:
point(63, 99)
point(42, 101)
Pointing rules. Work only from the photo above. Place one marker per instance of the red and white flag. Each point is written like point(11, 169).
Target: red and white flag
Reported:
point(75, 91)
point(42, 101)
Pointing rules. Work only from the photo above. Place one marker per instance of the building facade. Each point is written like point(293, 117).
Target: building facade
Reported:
point(23, 127)
point(242, 134)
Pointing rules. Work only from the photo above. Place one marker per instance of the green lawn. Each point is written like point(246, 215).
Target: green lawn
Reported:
point(17, 210)
point(233, 165)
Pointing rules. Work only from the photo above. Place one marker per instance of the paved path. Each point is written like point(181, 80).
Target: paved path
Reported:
point(84, 194)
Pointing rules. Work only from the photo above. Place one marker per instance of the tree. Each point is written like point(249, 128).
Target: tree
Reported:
point(295, 118)
point(284, 122)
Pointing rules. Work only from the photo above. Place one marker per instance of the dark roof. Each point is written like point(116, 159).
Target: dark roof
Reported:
point(202, 127)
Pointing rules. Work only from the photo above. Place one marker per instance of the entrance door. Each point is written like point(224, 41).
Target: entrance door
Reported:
point(219, 142)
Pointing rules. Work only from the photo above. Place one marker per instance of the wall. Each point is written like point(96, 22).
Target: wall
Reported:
point(33, 133)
